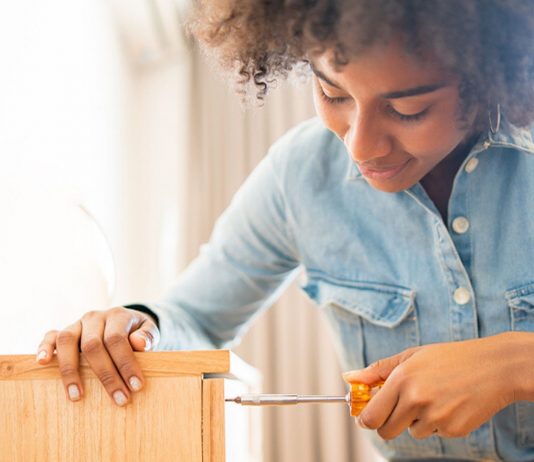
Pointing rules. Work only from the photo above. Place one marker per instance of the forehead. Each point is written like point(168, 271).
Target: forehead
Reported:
point(382, 68)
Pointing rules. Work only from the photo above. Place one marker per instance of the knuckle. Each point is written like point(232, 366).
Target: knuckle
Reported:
point(399, 374)
point(91, 314)
point(115, 339)
point(416, 397)
point(410, 351)
point(66, 337)
point(116, 310)
point(127, 369)
point(67, 370)
point(92, 344)
point(417, 434)
point(453, 431)
point(376, 364)
point(108, 378)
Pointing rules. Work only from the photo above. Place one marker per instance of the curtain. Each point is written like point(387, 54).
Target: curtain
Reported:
point(289, 343)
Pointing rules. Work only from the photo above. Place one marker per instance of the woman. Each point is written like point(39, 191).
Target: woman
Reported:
point(406, 202)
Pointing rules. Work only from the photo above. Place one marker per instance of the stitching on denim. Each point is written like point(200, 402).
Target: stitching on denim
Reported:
point(519, 292)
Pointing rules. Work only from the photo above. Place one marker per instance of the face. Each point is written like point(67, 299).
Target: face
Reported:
point(397, 116)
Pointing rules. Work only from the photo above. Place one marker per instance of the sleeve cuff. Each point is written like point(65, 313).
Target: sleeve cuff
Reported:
point(144, 309)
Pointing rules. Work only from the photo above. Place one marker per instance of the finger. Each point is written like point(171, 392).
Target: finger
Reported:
point(146, 336)
point(68, 356)
point(96, 353)
point(379, 408)
point(378, 371)
point(46, 348)
point(116, 339)
point(401, 417)
point(422, 429)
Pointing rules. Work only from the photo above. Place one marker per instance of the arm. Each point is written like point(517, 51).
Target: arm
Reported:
point(249, 259)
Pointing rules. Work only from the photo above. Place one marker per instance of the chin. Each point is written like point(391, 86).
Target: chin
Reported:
point(390, 186)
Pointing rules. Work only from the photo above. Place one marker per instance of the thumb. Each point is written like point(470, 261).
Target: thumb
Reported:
point(143, 339)
point(379, 371)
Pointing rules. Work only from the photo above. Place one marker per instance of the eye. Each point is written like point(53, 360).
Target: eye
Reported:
point(330, 100)
point(408, 117)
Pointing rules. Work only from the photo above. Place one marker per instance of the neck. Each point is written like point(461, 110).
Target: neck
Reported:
point(449, 166)
point(438, 182)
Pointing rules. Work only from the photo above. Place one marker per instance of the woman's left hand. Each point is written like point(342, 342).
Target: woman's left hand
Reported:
point(448, 389)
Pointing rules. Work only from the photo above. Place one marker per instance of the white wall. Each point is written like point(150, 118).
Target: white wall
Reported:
point(65, 88)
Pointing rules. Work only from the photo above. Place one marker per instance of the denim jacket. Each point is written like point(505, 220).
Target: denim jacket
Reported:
point(385, 269)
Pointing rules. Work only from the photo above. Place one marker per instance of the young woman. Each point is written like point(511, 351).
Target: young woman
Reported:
point(408, 202)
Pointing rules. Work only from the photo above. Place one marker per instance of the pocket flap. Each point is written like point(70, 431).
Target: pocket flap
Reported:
point(380, 304)
point(521, 298)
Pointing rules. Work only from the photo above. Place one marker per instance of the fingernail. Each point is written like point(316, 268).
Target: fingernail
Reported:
point(360, 422)
point(41, 355)
point(135, 383)
point(120, 398)
point(148, 343)
point(74, 392)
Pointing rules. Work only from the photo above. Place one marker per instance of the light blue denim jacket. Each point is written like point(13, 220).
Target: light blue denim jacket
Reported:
point(385, 269)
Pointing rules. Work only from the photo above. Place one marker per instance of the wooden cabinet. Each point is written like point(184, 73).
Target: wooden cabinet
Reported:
point(178, 417)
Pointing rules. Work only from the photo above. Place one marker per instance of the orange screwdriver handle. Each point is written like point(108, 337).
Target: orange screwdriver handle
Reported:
point(360, 394)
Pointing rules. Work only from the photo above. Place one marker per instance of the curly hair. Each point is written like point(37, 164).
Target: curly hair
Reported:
point(487, 44)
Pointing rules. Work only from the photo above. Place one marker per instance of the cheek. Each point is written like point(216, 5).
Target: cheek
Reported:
point(435, 139)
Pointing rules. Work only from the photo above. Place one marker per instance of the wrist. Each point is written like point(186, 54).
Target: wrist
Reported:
point(518, 372)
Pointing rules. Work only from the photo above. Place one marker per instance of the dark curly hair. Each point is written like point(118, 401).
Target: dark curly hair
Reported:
point(488, 44)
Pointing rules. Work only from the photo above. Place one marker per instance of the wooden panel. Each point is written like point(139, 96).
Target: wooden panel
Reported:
point(153, 364)
point(163, 422)
point(39, 424)
point(213, 420)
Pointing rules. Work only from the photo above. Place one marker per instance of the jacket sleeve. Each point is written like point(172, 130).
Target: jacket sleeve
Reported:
point(249, 259)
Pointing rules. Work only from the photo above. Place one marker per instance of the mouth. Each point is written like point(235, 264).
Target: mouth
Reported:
point(382, 173)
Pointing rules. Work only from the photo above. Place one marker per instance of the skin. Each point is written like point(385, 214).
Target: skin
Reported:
point(107, 339)
point(381, 129)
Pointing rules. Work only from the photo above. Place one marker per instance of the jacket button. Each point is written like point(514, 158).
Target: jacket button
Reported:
point(471, 165)
point(462, 296)
point(460, 225)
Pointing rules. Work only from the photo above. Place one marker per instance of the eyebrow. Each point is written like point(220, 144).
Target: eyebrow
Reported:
point(420, 90)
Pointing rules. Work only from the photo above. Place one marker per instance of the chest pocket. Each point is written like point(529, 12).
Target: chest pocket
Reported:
point(521, 304)
point(371, 321)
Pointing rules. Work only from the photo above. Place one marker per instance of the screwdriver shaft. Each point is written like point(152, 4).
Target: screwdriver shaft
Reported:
point(284, 400)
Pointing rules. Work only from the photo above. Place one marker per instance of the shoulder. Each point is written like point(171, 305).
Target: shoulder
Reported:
point(310, 135)
point(309, 150)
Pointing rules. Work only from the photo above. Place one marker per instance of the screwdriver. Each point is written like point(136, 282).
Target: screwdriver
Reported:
point(357, 398)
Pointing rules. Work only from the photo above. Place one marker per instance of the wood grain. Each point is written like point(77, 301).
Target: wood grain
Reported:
point(213, 449)
point(153, 364)
point(164, 422)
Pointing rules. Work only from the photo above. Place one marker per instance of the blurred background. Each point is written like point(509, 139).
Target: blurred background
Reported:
point(120, 144)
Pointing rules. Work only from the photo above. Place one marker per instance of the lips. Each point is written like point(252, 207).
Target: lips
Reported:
point(382, 172)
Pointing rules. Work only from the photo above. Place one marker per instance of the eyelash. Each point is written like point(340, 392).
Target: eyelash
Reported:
point(403, 117)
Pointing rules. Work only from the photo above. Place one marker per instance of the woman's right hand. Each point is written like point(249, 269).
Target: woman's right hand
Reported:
point(107, 339)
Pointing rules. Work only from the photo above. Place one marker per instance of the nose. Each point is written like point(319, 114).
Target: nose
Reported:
point(366, 140)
